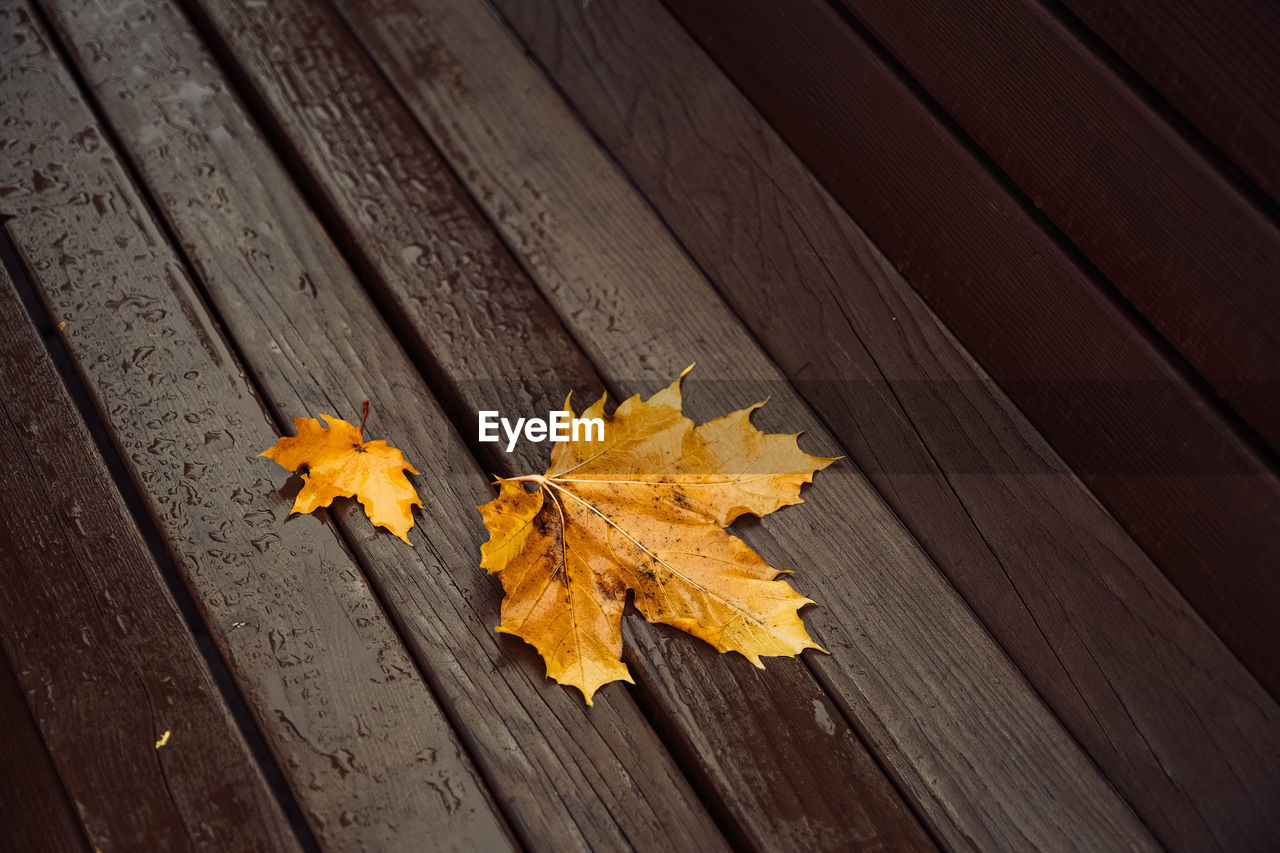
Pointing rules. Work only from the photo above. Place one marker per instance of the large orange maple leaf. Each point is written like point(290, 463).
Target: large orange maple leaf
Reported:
point(645, 510)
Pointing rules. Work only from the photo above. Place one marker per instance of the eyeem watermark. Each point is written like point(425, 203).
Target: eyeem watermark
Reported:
point(559, 426)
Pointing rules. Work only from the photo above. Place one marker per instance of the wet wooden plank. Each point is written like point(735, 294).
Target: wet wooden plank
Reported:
point(35, 812)
point(927, 687)
point(774, 758)
point(1196, 497)
point(1167, 229)
point(568, 777)
point(367, 752)
point(1185, 733)
point(1214, 62)
point(97, 641)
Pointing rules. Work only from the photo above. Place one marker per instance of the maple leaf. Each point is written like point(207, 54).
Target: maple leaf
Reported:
point(645, 510)
point(341, 464)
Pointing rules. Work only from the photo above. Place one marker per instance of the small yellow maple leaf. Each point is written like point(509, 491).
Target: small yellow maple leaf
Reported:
point(341, 464)
point(644, 510)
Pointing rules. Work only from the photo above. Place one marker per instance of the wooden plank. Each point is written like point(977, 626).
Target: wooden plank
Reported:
point(1179, 726)
point(1158, 220)
point(568, 778)
point(1214, 62)
point(369, 756)
point(1192, 493)
point(98, 643)
point(35, 812)
point(927, 687)
point(775, 760)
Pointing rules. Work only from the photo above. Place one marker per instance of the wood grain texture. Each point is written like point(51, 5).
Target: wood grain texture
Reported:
point(467, 309)
point(1214, 62)
point(98, 643)
point(927, 687)
point(368, 754)
point(777, 762)
point(1196, 497)
point(35, 812)
point(1158, 220)
point(1185, 733)
point(567, 777)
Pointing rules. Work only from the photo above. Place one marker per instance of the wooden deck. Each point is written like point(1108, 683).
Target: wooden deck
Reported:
point(1017, 261)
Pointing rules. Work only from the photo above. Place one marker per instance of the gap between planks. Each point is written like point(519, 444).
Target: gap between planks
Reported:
point(1212, 144)
point(1211, 506)
point(377, 27)
point(321, 291)
point(629, 70)
point(398, 208)
point(36, 811)
point(447, 464)
point(234, 413)
point(141, 669)
point(137, 514)
point(1153, 217)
